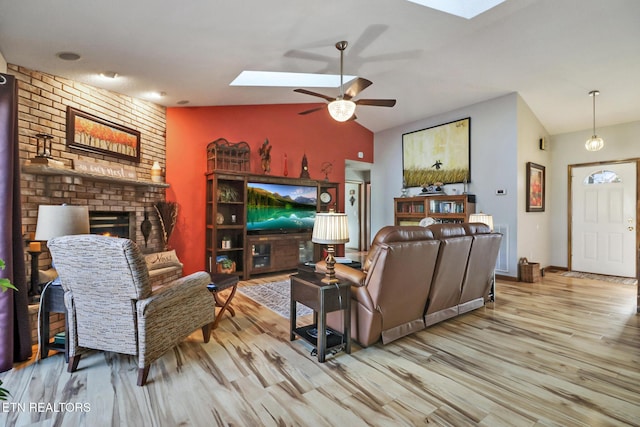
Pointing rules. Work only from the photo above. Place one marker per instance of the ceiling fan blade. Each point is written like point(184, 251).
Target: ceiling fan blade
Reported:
point(356, 87)
point(377, 102)
point(313, 110)
point(319, 95)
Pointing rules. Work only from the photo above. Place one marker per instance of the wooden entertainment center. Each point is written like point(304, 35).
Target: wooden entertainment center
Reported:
point(226, 226)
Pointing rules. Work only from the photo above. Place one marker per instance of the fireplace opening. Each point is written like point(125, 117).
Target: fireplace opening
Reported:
point(116, 224)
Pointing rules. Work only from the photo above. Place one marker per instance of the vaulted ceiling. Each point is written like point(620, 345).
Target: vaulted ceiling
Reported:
point(552, 52)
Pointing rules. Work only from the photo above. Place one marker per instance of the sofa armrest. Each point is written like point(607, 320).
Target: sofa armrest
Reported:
point(357, 278)
point(344, 272)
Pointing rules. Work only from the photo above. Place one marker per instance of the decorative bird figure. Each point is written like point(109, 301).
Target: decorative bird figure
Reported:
point(437, 164)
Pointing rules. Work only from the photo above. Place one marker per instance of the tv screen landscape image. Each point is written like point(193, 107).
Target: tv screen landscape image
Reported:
point(280, 208)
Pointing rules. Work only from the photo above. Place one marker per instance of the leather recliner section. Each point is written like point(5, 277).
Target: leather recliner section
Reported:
point(446, 288)
point(480, 267)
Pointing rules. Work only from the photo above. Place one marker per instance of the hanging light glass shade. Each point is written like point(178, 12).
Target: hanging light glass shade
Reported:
point(594, 143)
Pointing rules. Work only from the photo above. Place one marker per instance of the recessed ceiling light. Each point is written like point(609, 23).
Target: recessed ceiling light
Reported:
point(278, 79)
point(463, 8)
point(156, 95)
point(68, 56)
point(109, 74)
point(183, 102)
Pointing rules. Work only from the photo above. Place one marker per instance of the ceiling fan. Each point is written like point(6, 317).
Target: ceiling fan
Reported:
point(342, 108)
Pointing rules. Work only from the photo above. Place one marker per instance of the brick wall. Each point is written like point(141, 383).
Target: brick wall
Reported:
point(42, 108)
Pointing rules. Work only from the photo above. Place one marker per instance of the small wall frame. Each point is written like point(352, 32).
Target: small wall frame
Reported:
point(535, 187)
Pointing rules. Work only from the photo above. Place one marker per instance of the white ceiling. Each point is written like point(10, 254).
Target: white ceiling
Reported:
point(553, 52)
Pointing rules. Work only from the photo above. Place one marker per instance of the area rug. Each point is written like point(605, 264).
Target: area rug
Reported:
point(612, 279)
point(274, 296)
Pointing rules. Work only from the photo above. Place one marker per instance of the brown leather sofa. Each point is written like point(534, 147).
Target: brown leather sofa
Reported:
point(414, 277)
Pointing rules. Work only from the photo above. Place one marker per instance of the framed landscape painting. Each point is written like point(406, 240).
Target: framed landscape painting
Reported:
point(535, 187)
point(439, 154)
point(90, 133)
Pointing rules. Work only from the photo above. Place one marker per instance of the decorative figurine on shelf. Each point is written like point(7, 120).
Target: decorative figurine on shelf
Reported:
point(436, 188)
point(326, 169)
point(304, 173)
point(405, 190)
point(265, 155)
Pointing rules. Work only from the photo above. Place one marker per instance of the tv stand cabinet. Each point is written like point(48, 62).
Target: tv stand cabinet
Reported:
point(226, 226)
point(277, 252)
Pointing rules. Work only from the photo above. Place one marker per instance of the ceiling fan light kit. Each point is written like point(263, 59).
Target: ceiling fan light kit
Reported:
point(342, 108)
point(595, 143)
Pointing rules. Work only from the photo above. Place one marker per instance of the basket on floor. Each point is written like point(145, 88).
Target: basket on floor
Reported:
point(528, 271)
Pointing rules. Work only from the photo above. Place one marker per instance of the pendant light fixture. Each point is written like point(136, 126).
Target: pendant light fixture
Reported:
point(595, 143)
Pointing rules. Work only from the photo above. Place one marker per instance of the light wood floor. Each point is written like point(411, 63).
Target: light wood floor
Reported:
point(562, 352)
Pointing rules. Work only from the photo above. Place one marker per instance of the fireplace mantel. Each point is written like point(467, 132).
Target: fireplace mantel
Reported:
point(48, 170)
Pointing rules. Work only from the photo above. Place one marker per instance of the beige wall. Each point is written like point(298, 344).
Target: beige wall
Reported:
point(621, 142)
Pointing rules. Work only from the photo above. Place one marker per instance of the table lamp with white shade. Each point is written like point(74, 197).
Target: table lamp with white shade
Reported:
point(330, 228)
point(55, 221)
point(483, 218)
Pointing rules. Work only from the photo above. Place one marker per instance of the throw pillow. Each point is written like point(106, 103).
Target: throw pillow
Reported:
point(162, 260)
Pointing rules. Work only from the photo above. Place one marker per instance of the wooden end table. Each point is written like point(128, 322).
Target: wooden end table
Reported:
point(220, 282)
point(52, 301)
point(307, 288)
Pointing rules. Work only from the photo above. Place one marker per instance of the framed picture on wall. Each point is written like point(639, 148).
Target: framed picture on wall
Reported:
point(93, 134)
point(439, 154)
point(535, 187)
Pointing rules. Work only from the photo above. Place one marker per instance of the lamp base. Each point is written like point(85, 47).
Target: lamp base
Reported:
point(330, 280)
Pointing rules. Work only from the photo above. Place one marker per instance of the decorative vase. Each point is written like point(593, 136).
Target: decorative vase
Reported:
point(145, 227)
point(156, 172)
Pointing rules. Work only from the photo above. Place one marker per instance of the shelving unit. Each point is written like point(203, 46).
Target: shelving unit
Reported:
point(443, 208)
point(226, 228)
point(278, 252)
point(225, 215)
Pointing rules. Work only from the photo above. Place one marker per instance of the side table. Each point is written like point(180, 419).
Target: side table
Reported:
point(52, 301)
point(220, 282)
point(307, 288)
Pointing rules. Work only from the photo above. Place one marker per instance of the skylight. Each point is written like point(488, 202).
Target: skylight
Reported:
point(463, 8)
point(278, 79)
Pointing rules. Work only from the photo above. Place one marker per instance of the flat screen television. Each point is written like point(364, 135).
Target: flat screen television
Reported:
point(280, 208)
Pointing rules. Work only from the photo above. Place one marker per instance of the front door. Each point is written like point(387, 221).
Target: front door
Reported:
point(603, 223)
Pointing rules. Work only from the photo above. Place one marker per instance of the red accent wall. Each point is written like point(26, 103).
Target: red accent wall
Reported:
point(189, 130)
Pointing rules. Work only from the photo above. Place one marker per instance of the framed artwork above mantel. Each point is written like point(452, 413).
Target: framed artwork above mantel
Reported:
point(439, 154)
point(93, 134)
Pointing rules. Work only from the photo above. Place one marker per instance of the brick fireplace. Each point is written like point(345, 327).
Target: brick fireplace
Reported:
point(42, 107)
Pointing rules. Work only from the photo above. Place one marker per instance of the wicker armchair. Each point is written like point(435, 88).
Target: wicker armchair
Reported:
point(111, 306)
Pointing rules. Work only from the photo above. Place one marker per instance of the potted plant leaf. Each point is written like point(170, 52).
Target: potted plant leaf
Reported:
point(5, 284)
point(226, 266)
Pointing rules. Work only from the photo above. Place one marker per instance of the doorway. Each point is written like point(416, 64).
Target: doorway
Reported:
point(603, 218)
point(357, 199)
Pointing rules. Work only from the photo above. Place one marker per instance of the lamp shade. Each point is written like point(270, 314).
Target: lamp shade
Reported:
point(341, 109)
point(61, 220)
point(595, 143)
point(483, 218)
point(330, 228)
